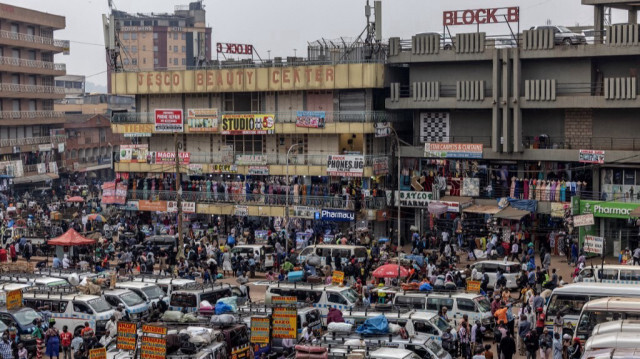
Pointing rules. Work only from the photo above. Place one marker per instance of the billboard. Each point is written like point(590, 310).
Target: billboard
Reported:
point(453, 150)
point(168, 120)
point(202, 120)
point(169, 158)
point(380, 166)
point(345, 165)
point(334, 215)
point(134, 153)
point(591, 156)
point(114, 194)
point(249, 124)
point(310, 119)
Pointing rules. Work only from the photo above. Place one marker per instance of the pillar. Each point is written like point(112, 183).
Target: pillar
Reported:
point(507, 122)
point(598, 22)
point(496, 116)
point(632, 15)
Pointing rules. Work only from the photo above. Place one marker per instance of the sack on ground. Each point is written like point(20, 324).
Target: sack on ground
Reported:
point(223, 319)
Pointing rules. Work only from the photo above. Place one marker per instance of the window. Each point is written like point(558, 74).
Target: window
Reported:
point(466, 305)
point(175, 62)
point(410, 302)
point(144, 60)
point(184, 62)
point(112, 300)
point(134, 61)
point(438, 303)
point(629, 177)
point(81, 308)
point(15, 79)
point(15, 53)
point(14, 28)
point(125, 36)
point(155, 35)
point(175, 48)
point(144, 48)
point(184, 36)
point(16, 105)
point(31, 30)
point(134, 36)
point(32, 105)
point(175, 36)
point(31, 54)
point(336, 298)
point(126, 49)
point(155, 48)
point(184, 49)
point(566, 304)
point(422, 327)
point(134, 49)
point(611, 274)
point(126, 61)
point(627, 274)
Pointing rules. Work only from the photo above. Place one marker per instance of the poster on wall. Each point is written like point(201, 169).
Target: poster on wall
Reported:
point(345, 165)
point(218, 168)
point(380, 166)
point(310, 119)
point(195, 169)
point(591, 156)
point(168, 120)
point(249, 124)
point(434, 127)
point(134, 153)
point(383, 129)
point(241, 211)
point(202, 119)
point(169, 158)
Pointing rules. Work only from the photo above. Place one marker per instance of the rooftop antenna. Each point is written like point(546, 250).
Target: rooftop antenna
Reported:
point(373, 31)
point(111, 39)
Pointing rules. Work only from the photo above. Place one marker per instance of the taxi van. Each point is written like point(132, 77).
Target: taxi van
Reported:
point(151, 293)
point(423, 346)
point(189, 297)
point(133, 303)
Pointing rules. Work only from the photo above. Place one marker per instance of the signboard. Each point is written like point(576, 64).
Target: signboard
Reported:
point(434, 127)
point(251, 159)
point(284, 323)
point(169, 158)
point(414, 198)
point(195, 169)
point(260, 330)
point(481, 16)
point(153, 329)
point(135, 128)
point(338, 277)
point(137, 134)
point(258, 170)
point(264, 124)
point(153, 342)
point(242, 211)
point(453, 150)
point(14, 299)
point(345, 165)
point(134, 153)
point(235, 49)
point(583, 220)
point(126, 336)
point(473, 285)
point(98, 353)
point(602, 209)
point(66, 47)
point(187, 207)
point(224, 168)
point(310, 119)
point(114, 194)
point(593, 244)
point(380, 166)
point(334, 215)
point(282, 300)
point(591, 156)
point(152, 206)
point(202, 120)
point(168, 120)
point(41, 168)
point(302, 212)
point(383, 129)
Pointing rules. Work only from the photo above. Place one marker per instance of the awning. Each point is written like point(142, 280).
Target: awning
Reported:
point(480, 209)
point(454, 203)
point(512, 214)
point(35, 178)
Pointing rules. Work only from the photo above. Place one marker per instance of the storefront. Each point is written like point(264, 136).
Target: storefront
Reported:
point(614, 222)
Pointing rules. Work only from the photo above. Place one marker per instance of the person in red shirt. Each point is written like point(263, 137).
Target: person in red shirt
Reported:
point(12, 253)
point(540, 322)
point(65, 342)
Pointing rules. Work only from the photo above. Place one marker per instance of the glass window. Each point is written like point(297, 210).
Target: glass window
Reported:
point(14, 28)
point(125, 36)
point(99, 305)
point(155, 49)
point(184, 49)
point(183, 300)
point(134, 49)
point(175, 48)
point(360, 252)
point(134, 61)
point(617, 176)
point(184, 36)
point(155, 61)
point(466, 305)
point(81, 308)
point(566, 304)
point(184, 61)
point(126, 61)
point(175, 62)
point(336, 298)
point(26, 316)
point(410, 302)
point(438, 303)
point(627, 274)
point(132, 299)
point(175, 36)
point(611, 274)
point(629, 177)
point(134, 36)
point(424, 327)
point(155, 35)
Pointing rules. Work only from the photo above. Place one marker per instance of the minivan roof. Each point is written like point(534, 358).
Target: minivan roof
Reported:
point(496, 262)
point(51, 296)
point(308, 286)
point(617, 304)
point(390, 353)
point(598, 288)
point(136, 285)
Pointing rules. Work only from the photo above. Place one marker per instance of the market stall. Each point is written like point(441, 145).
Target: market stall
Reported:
point(68, 240)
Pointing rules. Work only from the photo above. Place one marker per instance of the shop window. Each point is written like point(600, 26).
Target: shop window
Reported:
point(629, 177)
point(617, 176)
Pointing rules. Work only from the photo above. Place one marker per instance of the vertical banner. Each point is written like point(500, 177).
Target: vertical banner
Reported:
point(14, 299)
point(154, 342)
point(260, 330)
point(284, 323)
point(126, 336)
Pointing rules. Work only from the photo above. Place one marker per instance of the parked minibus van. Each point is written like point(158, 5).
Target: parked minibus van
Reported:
point(189, 297)
point(605, 310)
point(422, 345)
point(320, 296)
point(151, 293)
point(510, 270)
point(617, 340)
point(610, 273)
point(262, 253)
point(133, 303)
point(626, 326)
point(168, 285)
point(332, 250)
point(424, 323)
point(476, 306)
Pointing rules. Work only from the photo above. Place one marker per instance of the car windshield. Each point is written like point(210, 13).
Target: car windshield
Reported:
point(131, 299)
point(436, 349)
point(563, 29)
point(483, 304)
point(26, 316)
point(350, 295)
point(440, 323)
point(3, 326)
point(152, 292)
point(99, 305)
point(566, 304)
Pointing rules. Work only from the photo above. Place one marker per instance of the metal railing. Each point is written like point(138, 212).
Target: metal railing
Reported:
point(14, 61)
point(270, 159)
point(330, 201)
point(31, 38)
point(280, 116)
point(31, 88)
point(8, 142)
point(30, 114)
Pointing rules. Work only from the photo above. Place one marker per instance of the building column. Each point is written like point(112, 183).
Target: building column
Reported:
point(496, 116)
point(632, 15)
point(507, 123)
point(517, 112)
point(598, 22)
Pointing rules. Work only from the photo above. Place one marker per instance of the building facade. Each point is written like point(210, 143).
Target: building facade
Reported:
point(538, 121)
point(31, 131)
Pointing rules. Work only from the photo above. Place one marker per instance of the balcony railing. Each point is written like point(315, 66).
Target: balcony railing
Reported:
point(335, 201)
point(14, 61)
point(8, 142)
point(31, 38)
point(31, 88)
point(30, 114)
point(280, 116)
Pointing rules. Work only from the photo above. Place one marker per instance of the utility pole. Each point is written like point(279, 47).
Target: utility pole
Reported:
point(179, 197)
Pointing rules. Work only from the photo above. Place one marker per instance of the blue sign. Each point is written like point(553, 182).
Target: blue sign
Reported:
point(337, 216)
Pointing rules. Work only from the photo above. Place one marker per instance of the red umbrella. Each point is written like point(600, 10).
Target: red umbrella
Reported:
point(75, 199)
point(390, 271)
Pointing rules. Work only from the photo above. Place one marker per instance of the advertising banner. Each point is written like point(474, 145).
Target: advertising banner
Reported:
point(137, 134)
point(453, 150)
point(153, 342)
point(380, 166)
point(337, 278)
point(202, 119)
point(258, 170)
point(591, 156)
point(302, 212)
point(345, 165)
point(126, 336)
point(284, 300)
point(152, 206)
point(593, 244)
point(224, 168)
point(310, 119)
point(337, 215)
point(583, 220)
point(134, 153)
point(41, 168)
point(243, 160)
point(473, 286)
point(14, 299)
point(98, 353)
point(260, 330)
point(242, 211)
point(383, 129)
point(187, 207)
point(169, 158)
point(263, 124)
point(284, 323)
point(168, 120)
point(114, 194)
point(195, 169)
point(602, 209)
point(417, 199)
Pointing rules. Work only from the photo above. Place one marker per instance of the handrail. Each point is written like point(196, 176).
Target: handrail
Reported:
point(9, 87)
point(30, 114)
point(7, 142)
point(32, 38)
point(280, 116)
point(14, 61)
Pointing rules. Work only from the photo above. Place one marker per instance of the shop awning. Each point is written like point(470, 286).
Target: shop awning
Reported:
point(512, 214)
point(480, 209)
point(35, 178)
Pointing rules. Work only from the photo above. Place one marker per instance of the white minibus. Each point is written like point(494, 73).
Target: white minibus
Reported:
point(605, 310)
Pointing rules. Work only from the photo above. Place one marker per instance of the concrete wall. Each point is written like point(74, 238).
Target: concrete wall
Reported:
point(449, 73)
point(620, 123)
point(537, 122)
point(564, 71)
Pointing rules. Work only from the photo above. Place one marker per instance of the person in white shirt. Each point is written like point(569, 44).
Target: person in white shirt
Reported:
point(445, 236)
point(111, 329)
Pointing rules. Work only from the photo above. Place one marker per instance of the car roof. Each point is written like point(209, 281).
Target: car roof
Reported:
point(595, 288)
point(252, 246)
point(136, 285)
point(117, 291)
point(390, 353)
point(308, 286)
point(53, 296)
point(496, 262)
point(346, 246)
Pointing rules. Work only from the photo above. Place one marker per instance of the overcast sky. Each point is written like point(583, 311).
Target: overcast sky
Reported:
point(284, 25)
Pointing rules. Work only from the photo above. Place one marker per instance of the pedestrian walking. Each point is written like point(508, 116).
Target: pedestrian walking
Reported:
point(52, 338)
point(507, 346)
point(65, 342)
point(546, 344)
point(557, 346)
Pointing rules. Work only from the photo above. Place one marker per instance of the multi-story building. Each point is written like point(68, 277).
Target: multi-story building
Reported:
point(252, 135)
point(31, 131)
point(73, 85)
point(536, 118)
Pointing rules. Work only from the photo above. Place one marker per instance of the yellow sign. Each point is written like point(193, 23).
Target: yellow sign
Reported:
point(126, 336)
point(248, 124)
point(473, 285)
point(99, 353)
point(154, 329)
point(279, 300)
point(288, 78)
point(14, 299)
point(132, 128)
point(338, 277)
point(284, 323)
point(260, 330)
point(153, 348)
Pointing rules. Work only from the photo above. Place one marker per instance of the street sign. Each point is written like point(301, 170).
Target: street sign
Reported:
point(593, 244)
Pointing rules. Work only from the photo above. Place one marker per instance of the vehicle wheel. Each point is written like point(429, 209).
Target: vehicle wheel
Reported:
point(76, 332)
point(566, 41)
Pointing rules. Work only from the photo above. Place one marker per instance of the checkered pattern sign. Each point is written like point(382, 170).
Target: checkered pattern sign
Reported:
point(434, 127)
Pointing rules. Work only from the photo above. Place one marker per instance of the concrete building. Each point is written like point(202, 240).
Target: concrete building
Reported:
point(73, 85)
point(31, 131)
point(492, 121)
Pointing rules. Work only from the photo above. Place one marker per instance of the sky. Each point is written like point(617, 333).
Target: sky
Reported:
point(284, 25)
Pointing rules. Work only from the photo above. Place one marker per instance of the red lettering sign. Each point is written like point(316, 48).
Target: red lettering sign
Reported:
point(481, 16)
point(237, 49)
